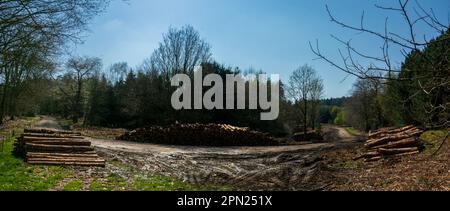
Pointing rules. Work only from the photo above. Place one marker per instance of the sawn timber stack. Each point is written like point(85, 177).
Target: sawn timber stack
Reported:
point(392, 142)
point(200, 135)
point(56, 147)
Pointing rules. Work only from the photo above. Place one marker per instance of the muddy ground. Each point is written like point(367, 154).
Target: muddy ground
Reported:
point(309, 166)
point(244, 168)
point(293, 167)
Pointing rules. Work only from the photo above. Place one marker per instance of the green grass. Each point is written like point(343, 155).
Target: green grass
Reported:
point(96, 186)
point(149, 183)
point(352, 131)
point(112, 182)
point(16, 175)
point(144, 182)
point(433, 139)
point(161, 183)
point(65, 123)
point(349, 165)
point(74, 185)
point(32, 119)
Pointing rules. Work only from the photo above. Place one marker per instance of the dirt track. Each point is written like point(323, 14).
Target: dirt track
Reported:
point(303, 167)
point(48, 122)
point(131, 147)
point(244, 168)
point(335, 135)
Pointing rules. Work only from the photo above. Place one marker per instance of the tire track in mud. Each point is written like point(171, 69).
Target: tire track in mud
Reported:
point(244, 168)
point(284, 170)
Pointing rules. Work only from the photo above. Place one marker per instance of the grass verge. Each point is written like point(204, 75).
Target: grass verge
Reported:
point(16, 175)
point(433, 139)
point(353, 131)
point(74, 185)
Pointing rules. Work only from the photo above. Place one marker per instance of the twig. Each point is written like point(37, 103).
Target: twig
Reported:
point(442, 144)
point(323, 187)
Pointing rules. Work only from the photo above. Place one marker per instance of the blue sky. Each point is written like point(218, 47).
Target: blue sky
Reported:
point(271, 35)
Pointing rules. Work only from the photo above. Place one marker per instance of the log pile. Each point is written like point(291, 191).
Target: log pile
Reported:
point(55, 147)
point(199, 135)
point(311, 135)
point(392, 142)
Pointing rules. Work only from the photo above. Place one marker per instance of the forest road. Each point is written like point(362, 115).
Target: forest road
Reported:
point(49, 123)
point(294, 167)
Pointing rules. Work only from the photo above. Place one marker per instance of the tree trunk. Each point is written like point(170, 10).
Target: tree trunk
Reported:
point(77, 106)
point(305, 120)
point(30, 147)
point(409, 142)
point(313, 115)
point(397, 151)
point(4, 95)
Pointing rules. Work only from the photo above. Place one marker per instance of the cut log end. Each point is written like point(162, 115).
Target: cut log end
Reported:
point(392, 142)
point(54, 147)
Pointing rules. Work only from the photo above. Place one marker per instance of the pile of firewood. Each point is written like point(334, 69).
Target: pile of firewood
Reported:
point(392, 142)
point(199, 135)
point(54, 147)
point(311, 135)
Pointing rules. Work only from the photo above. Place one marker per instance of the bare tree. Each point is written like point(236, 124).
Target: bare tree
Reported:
point(79, 69)
point(315, 95)
point(32, 33)
point(363, 108)
point(382, 67)
point(180, 52)
point(56, 20)
point(29, 60)
point(304, 84)
point(118, 72)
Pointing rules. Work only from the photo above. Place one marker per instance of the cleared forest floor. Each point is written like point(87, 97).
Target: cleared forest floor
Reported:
point(422, 172)
point(317, 166)
point(17, 175)
point(246, 168)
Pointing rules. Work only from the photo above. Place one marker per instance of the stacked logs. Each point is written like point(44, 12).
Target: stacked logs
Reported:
point(199, 135)
point(55, 147)
point(392, 142)
point(310, 136)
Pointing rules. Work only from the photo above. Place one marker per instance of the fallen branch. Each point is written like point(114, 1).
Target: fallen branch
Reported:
point(410, 142)
point(387, 131)
point(391, 142)
point(397, 151)
point(442, 144)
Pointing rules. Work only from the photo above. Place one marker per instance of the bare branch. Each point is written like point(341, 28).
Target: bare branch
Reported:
point(363, 29)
